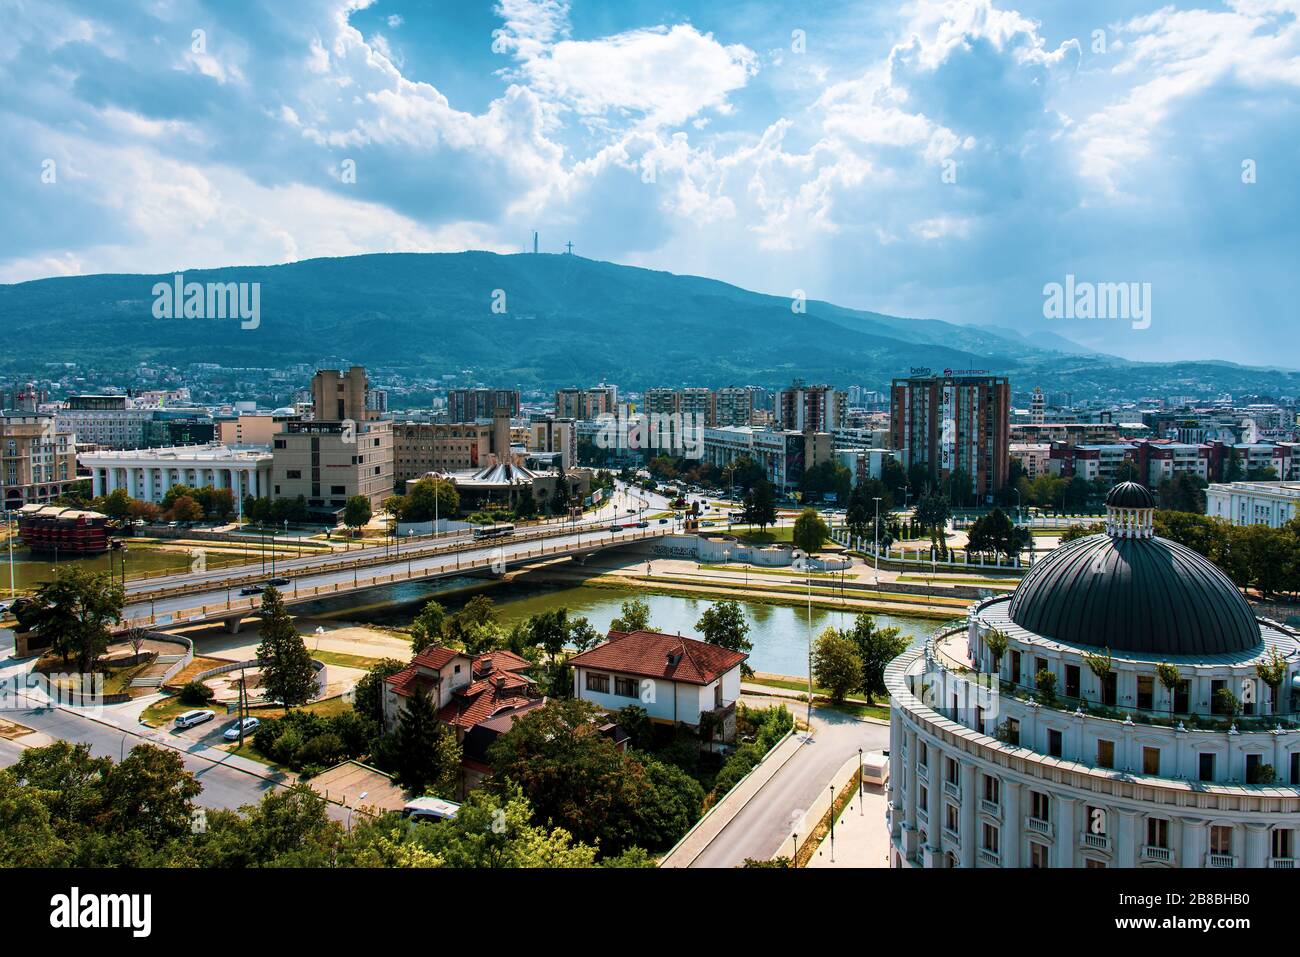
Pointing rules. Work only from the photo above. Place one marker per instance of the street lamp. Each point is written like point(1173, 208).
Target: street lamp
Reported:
point(876, 530)
point(832, 789)
point(860, 782)
point(9, 534)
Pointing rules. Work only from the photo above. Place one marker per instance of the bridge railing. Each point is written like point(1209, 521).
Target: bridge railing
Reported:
point(299, 571)
point(250, 604)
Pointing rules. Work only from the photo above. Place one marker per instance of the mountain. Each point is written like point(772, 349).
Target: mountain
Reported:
point(562, 320)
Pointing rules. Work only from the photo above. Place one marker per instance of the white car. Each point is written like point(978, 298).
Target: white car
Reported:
point(190, 718)
point(232, 732)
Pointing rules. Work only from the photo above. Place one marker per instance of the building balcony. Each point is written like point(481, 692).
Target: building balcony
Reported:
point(991, 809)
point(1039, 826)
point(992, 858)
point(1160, 854)
point(1220, 860)
point(1096, 842)
point(952, 790)
point(1282, 862)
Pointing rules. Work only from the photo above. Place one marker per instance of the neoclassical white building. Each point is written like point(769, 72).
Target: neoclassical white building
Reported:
point(148, 473)
point(1125, 723)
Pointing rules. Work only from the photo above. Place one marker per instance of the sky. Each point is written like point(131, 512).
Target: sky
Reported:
point(944, 159)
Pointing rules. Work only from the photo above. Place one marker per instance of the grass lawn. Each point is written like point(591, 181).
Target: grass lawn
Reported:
point(119, 679)
point(165, 711)
point(734, 567)
point(959, 580)
point(769, 537)
point(345, 660)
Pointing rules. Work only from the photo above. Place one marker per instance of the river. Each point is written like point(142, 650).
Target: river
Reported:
point(779, 633)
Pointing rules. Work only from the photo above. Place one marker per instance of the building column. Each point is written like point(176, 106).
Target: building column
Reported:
point(1012, 822)
point(1256, 845)
point(110, 480)
point(1196, 843)
point(148, 484)
point(97, 481)
point(909, 796)
point(1066, 836)
point(1126, 839)
point(966, 815)
point(933, 852)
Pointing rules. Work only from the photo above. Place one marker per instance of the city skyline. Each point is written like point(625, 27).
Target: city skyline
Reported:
point(972, 154)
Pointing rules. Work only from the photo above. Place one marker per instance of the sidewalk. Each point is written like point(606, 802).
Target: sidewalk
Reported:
point(861, 838)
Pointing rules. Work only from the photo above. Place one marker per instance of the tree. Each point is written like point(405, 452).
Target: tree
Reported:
point(430, 496)
point(959, 486)
point(723, 624)
point(356, 512)
point(1273, 672)
point(1100, 665)
point(810, 531)
point(1183, 492)
point(876, 648)
point(1045, 683)
point(368, 693)
point(634, 616)
point(428, 755)
point(836, 665)
point(117, 504)
point(71, 614)
point(1169, 677)
point(996, 533)
point(996, 642)
point(149, 792)
point(759, 505)
point(473, 627)
point(186, 510)
point(287, 673)
point(428, 627)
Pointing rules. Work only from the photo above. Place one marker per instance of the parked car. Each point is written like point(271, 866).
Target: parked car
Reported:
point(430, 809)
point(190, 718)
point(250, 725)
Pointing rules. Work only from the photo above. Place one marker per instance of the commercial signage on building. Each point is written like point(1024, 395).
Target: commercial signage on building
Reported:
point(948, 428)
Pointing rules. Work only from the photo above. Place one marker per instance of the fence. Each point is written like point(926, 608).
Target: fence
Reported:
point(928, 556)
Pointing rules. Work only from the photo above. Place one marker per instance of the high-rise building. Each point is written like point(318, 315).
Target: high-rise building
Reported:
point(555, 435)
point(952, 422)
point(346, 450)
point(1037, 407)
point(811, 408)
point(471, 405)
point(733, 406)
point(38, 460)
point(585, 404)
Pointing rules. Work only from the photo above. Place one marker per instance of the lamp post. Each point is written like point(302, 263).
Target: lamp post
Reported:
point(832, 789)
point(9, 534)
point(860, 782)
point(876, 531)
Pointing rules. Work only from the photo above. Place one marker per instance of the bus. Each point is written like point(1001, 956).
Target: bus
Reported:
point(501, 530)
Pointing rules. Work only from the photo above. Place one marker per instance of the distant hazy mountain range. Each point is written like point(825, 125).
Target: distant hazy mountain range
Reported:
point(560, 320)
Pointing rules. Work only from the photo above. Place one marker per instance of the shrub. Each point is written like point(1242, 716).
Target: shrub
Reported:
point(195, 692)
point(324, 750)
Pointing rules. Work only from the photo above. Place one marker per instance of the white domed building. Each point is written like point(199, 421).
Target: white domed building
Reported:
point(1124, 707)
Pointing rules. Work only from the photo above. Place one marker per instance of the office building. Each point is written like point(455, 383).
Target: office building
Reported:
point(1254, 503)
point(471, 405)
point(585, 403)
point(147, 474)
point(811, 408)
point(422, 447)
point(954, 421)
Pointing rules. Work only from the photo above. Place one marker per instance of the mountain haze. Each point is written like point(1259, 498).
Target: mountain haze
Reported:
point(567, 320)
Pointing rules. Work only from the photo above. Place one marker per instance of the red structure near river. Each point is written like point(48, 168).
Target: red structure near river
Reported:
point(71, 531)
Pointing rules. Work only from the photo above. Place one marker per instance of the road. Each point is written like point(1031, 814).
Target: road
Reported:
point(765, 822)
point(223, 786)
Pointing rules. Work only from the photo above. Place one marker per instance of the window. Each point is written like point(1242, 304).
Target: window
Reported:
point(293, 473)
point(1109, 690)
point(1157, 832)
point(922, 796)
point(1054, 742)
point(1150, 760)
point(1037, 855)
point(922, 755)
point(1295, 767)
point(950, 820)
point(1206, 767)
point(597, 682)
point(1040, 806)
point(952, 773)
point(1146, 692)
point(1183, 696)
point(992, 789)
point(1093, 862)
point(990, 838)
point(1105, 754)
point(1282, 842)
point(338, 489)
point(1217, 685)
point(1013, 731)
point(625, 687)
point(1072, 681)
point(1220, 839)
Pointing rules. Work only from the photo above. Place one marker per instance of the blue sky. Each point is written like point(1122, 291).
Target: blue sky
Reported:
point(934, 158)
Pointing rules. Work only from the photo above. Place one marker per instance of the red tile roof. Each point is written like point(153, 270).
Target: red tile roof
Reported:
point(500, 661)
point(651, 654)
point(485, 699)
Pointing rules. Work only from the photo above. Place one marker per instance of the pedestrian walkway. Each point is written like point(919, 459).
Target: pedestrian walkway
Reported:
point(861, 836)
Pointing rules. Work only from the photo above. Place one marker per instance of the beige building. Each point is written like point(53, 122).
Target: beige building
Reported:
point(583, 404)
point(421, 447)
point(252, 428)
point(555, 435)
point(346, 450)
point(37, 461)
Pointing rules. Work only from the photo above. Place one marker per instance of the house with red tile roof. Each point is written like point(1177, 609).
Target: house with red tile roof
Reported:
point(676, 679)
point(465, 689)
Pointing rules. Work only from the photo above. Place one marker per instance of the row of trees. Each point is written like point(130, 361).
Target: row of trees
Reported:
point(1253, 556)
point(62, 807)
point(181, 503)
